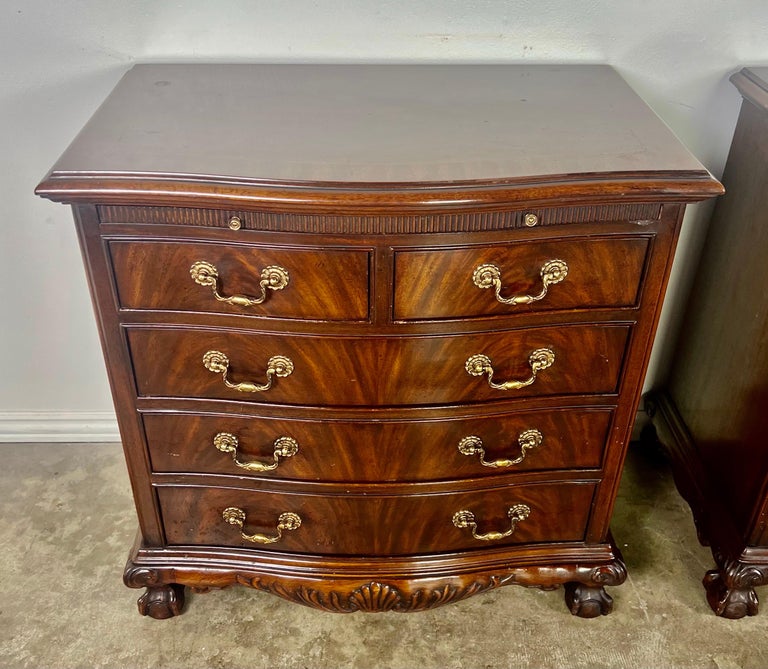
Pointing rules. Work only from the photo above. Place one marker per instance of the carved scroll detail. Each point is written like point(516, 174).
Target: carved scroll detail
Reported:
point(402, 593)
point(375, 596)
point(731, 588)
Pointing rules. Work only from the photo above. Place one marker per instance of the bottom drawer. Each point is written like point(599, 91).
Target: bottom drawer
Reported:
point(377, 524)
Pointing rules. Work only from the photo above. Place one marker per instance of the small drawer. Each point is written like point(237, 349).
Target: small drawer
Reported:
point(506, 279)
point(318, 284)
point(378, 451)
point(376, 524)
point(377, 371)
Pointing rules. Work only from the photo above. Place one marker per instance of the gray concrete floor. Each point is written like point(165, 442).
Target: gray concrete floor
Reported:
point(67, 523)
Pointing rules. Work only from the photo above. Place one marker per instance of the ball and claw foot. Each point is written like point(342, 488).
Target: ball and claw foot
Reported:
point(587, 601)
point(163, 601)
point(728, 602)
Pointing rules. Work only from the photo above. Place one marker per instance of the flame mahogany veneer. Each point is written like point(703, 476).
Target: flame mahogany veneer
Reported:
point(357, 216)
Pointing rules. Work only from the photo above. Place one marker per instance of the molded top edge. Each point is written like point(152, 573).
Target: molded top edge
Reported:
point(374, 130)
point(752, 83)
point(376, 198)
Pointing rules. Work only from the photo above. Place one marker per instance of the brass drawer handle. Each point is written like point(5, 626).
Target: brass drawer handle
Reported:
point(286, 521)
point(272, 277)
point(218, 363)
point(489, 276)
point(540, 359)
point(473, 445)
point(285, 447)
point(466, 520)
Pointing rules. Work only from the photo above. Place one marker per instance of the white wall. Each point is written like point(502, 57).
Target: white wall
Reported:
point(59, 60)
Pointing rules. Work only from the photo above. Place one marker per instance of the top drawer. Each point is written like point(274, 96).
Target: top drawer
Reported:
point(504, 279)
point(316, 284)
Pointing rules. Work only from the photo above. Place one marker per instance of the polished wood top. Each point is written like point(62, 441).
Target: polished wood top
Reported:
point(373, 126)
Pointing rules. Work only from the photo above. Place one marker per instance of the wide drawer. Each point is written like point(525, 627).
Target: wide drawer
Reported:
point(319, 284)
point(503, 279)
point(417, 450)
point(377, 524)
point(341, 371)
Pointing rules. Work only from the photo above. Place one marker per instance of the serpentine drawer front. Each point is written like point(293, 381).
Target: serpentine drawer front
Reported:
point(322, 284)
point(567, 360)
point(530, 276)
point(376, 449)
point(378, 524)
point(376, 342)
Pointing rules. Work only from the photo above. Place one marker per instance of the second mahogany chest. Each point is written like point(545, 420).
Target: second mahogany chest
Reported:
point(711, 417)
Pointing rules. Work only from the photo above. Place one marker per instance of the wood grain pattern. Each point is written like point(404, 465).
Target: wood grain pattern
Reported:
point(376, 525)
point(324, 284)
point(403, 140)
point(347, 124)
point(438, 283)
point(339, 168)
point(379, 450)
point(380, 371)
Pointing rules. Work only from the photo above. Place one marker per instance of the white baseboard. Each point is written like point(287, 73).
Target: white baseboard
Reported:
point(58, 426)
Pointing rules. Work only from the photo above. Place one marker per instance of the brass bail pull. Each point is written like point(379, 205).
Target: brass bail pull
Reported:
point(278, 366)
point(286, 522)
point(516, 514)
point(479, 365)
point(527, 440)
point(272, 277)
point(489, 276)
point(284, 447)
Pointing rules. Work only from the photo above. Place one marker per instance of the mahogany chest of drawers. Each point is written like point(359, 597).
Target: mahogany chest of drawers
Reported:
point(711, 417)
point(375, 334)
